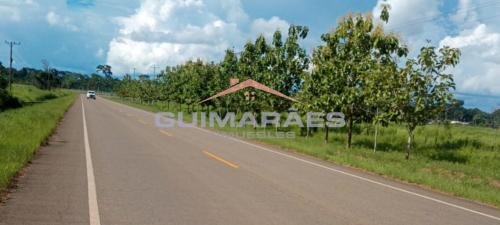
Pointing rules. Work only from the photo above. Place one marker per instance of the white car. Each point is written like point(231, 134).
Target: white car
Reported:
point(91, 94)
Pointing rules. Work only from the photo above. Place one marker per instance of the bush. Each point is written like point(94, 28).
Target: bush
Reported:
point(7, 101)
point(3, 82)
point(47, 96)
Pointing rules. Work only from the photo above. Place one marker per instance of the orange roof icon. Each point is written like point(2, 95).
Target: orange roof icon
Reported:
point(250, 83)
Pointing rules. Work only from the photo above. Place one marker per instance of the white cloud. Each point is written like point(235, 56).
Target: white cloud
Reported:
point(9, 13)
point(52, 18)
point(479, 68)
point(15, 10)
point(465, 14)
point(170, 32)
point(416, 20)
point(476, 35)
point(268, 27)
point(126, 53)
point(234, 11)
point(56, 20)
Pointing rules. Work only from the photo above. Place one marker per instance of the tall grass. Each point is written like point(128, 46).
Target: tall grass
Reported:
point(23, 130)
point(460, 160)
point(31, 94)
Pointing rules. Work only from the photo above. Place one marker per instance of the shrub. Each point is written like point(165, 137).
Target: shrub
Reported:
point(46, 96)
point(7, 101)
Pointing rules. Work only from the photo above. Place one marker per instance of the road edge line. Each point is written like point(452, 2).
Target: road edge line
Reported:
point(92, 193)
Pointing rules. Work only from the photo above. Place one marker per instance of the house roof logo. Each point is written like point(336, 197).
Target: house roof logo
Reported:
point(235, 86)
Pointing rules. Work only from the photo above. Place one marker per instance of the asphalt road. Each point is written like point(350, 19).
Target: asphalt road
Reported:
point(131, 172)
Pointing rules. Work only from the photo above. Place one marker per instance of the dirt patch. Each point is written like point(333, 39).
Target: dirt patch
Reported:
point(495, 183)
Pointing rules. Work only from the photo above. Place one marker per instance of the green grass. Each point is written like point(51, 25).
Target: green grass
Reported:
point(30, 94)
point(23, 130)
point(460, 160)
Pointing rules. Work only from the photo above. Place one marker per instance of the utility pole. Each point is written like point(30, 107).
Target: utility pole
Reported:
point(46, 66)
point(133, 78)
point(154, 71)
point(11, 44)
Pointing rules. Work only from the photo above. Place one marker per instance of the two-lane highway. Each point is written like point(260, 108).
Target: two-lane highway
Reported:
point(132, 172)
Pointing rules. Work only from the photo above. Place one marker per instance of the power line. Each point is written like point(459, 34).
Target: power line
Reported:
point(11, 44)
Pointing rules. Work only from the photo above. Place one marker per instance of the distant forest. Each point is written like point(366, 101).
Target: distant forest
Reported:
point(51, 78)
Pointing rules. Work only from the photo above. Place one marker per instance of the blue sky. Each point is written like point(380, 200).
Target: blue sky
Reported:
point(80, 34)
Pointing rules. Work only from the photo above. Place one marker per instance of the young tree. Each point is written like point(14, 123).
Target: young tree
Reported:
point(423, 88)
point(351, 54)
point(320, 86)
point(386, 53)
point(287, 61)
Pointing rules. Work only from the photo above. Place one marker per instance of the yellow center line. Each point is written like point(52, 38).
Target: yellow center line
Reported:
point(166, 133)
point(221, 159)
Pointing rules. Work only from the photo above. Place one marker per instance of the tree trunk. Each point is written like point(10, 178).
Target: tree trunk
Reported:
point(326, 133)
point(349, 131)
point(408, 145)
point(375, 140)
point(376, 134)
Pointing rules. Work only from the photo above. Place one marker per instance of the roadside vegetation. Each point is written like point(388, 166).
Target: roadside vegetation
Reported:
point(397, 108)
point(23, 130)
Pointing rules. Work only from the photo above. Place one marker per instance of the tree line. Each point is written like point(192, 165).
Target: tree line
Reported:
point(360, 70)
point(50, 78)
point(357, 70)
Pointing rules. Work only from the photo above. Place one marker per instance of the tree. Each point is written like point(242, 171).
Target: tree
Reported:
point(228, 69)
point(319, 86)
point(423, 88)
point(105, 69)
point(287, 63)
point(350, 58)
point(387, 49)
point(3, 81)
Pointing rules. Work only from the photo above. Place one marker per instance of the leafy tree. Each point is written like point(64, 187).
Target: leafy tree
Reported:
point(287, 63)
point(423, 88)
point(320, 86)
point(105, 69)
point(228, 69)
point(355, 55)
point(387, 49)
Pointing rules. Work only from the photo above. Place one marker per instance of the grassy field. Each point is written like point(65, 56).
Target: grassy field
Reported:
point(460, 160)
point(23, 130)
point(30, 94)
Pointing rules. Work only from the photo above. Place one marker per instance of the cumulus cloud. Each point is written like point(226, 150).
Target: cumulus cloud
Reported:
point(170, 32)
point(479, 69)
point(417, 20)
point(268, 27)
point(477, 37)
